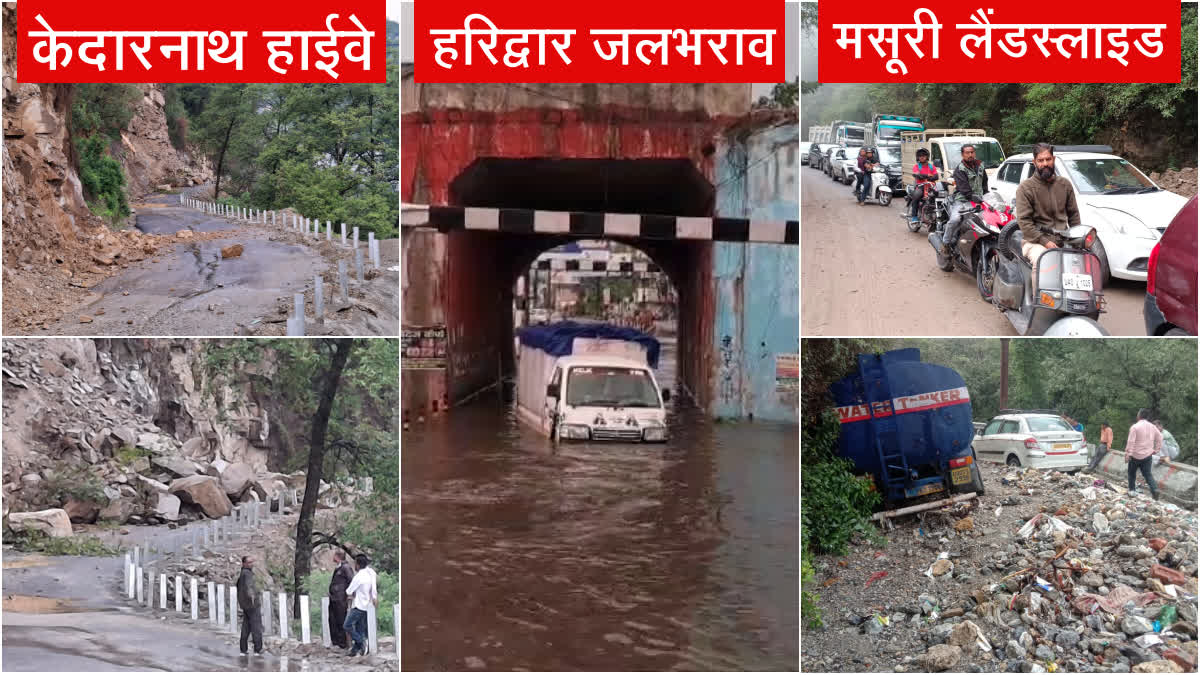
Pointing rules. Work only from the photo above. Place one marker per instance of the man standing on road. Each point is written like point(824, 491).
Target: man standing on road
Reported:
point(338, 600)
point(251, 603)
point(865, 167)
point(970, 185)
point(1144, 442)
point(1105, 442)
point(1045, 206)
point(363, 590)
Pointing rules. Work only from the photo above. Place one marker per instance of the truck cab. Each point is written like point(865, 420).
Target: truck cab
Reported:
point(886, 129)
point(945, 151)
point(605, 398)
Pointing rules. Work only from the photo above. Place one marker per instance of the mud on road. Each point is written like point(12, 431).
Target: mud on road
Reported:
point(865, 274)
point(1112, 540)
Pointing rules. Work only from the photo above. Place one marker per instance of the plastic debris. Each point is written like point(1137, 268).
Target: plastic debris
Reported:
point(1148, 640)
point(1099, 482)
point(1089, 492)
point(1042, 584)
point(875, 577)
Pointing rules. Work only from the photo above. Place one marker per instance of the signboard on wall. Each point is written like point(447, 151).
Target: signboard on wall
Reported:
point(787, 373)
point(423, 348)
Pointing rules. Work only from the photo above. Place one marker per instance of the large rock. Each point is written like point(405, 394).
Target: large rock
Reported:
point(1160, 666)
point(941, 657)
point(54, 522)
point(205, 492)
point(126, 435)
point(81, 511)
point(236, 478)
point(168, 506)
point(216, 467)
point(176, 466)
point(120, 510)
point(195, 446)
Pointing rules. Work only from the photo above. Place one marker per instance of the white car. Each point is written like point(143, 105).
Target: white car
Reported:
point(842, 163)
point(1042, 440)
point(1128, 210)
point(805, 146)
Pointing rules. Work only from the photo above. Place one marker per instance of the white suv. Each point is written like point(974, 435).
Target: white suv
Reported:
point(1039, 439)
point(1128, 210)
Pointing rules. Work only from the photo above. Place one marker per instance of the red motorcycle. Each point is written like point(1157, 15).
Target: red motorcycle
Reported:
point(974, 252)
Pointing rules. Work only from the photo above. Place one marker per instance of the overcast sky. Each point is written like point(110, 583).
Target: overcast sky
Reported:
point(791, 67)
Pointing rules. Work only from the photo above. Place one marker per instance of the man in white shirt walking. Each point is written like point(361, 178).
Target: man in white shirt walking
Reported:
point(363, 593)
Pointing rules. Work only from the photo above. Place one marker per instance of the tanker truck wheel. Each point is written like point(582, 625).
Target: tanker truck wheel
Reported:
point(976, 476)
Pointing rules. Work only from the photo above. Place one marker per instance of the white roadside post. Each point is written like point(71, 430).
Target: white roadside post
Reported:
point(220, 604)
point(266, 612)
point(233, 607)
point(283, 627)
point(372, 629)
point(179, 594)
point(128, 579)
point(140, 596)
point(328, 231)
point(304, 619)
point(343, 235)
point(326, 638)
point(212, 607)
point(195, 601)
point(162, 591)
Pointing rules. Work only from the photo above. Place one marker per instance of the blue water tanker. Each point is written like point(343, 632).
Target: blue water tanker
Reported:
point(908, 425)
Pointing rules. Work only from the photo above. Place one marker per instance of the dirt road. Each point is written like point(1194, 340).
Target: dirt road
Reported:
point(865, 274)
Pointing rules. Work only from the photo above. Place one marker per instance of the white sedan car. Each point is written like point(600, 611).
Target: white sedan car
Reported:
point(1128, 210)
point(1042, 440)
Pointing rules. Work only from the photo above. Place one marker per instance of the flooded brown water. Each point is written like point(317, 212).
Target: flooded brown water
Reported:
point(521, 555)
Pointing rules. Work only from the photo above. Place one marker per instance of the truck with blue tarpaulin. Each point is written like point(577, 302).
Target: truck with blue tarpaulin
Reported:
point(908, 425)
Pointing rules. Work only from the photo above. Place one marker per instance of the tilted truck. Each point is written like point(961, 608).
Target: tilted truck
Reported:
point(886, 129)
point(907, 425)
point(945, 151)
point(591, 382)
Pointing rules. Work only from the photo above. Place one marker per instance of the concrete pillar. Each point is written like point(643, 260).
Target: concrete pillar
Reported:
point(221, 605)
point(195, 601)
point(266, 612)
point(233, 607)
point(371, 246)
point(212, 599)
point(125, 572)
point(343, 235)
point(140, 592)
point(131, 580)
point(373, 629)
point(204, 531)
point(283, 624)
point(326, 639)
point(319, 299)
point(150, 587)
point(358, 263)
point(272, 217)
point(355, 236)
point(343, 281)
point(304, 620)
point(179, 594)
point(137, 556)
point(328, 231)
point(162, 591)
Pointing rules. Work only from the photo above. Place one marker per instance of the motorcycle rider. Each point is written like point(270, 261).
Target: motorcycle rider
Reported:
point(923, 172)
point(866, 164)
point(970, 184)
point(1045, 207)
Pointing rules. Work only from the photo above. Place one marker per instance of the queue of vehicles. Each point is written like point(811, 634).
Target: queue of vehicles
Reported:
point(1125, 219)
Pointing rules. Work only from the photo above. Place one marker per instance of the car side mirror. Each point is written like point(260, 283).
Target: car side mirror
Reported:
point(552, 391)
point(666, 395)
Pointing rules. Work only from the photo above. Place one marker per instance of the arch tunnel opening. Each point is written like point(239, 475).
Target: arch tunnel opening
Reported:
point(485, 265)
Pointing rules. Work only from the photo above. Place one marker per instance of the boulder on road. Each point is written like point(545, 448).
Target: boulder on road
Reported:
point(236, 478)
point(232, 251)
point(168, 506)
point(54, 522)
point(205, 492)
point(81, 510)
point(119, 510)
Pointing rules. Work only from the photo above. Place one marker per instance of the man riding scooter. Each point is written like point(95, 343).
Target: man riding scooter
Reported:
point(1045, 206)
point(923, 172)
point(866, 165)
point(970, 185)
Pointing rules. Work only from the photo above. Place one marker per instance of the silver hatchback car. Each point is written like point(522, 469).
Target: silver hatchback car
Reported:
point(1038, 439)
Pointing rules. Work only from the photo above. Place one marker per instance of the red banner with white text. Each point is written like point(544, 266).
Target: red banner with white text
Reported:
point(617, 41)
point(1013, 41)
point(214, 41)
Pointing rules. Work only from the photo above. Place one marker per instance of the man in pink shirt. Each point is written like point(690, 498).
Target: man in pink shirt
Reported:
point(1144, 442)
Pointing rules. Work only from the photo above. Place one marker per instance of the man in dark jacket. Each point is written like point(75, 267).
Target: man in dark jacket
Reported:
point(251, 603)
point(338, 602)
point(970, 185)
point(1045, 206)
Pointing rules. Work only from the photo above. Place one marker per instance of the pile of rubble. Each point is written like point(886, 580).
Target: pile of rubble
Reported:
point(1047, 572)
point(97, 453)
point(1182, 182)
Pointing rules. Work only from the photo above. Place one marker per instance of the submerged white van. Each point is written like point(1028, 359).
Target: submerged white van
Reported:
point(591, 382)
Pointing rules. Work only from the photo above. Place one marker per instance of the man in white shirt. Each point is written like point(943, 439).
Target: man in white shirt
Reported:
point(363, 593)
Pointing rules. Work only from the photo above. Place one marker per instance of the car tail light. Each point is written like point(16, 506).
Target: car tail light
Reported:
point(1089, 239)
point(1031, 444)
point(1150, 269)
point(961, 461)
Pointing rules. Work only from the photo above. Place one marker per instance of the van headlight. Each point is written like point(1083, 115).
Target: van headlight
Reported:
point(575, 431)
point(654, 434)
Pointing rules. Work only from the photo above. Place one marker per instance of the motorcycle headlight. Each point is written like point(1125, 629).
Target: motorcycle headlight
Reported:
point(575, 431)
point(654, 434)
point(1126, 224)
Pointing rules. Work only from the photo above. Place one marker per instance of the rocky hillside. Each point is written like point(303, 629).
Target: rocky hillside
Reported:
point(139, 431)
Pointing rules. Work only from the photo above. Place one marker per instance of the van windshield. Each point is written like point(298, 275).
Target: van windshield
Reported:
point(611, 387)
point(987, 152)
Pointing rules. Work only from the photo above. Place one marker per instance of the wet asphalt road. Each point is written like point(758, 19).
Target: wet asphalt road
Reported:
point(520, 555)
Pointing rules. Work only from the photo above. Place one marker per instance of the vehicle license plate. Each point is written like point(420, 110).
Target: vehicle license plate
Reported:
point(960, 475)
point(929, 489)
point(1077, 282)
point(1062, 446)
